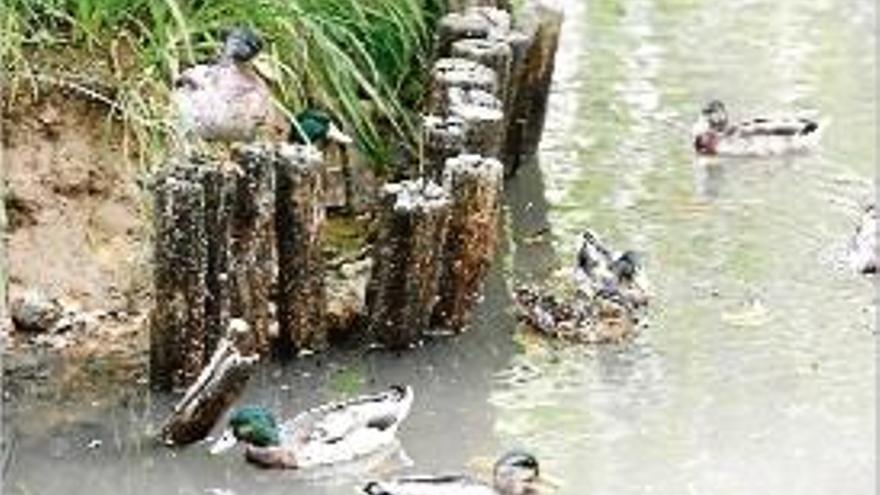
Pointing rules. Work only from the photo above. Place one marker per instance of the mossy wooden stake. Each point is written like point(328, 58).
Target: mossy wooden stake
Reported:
point(402, 289)
point(215, 181)
point(493, 53)
point(252, 246)
point(302, 297)
point(474, 184)
point(180, 267)
point(479, 20)
point(459, 73)
point(534, 60)
point(444, 138)
point(483, 116)
point(217, 387)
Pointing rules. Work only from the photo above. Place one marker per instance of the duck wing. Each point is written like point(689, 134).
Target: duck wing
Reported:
point(775, 127)
point(334, 422)
point(448, 484)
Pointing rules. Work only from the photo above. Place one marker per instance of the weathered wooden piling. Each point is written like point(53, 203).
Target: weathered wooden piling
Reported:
point(534, 45)
point(217, 387)
point(475, 185)
point(460, 73)
point(253, 262)
point(402, 291)
point(178, 320)
point(444, 138)
point(480, 20)
point(483, 116)
point(493, 53)
point(302, 299)
point(462, 5)
point(216, 181)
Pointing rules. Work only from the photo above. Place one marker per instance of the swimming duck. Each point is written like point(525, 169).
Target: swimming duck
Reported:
point(863, 249)
point(516, 473)
point(713, 134)
point(328, 434)
point(603, 273)
point(227, 100)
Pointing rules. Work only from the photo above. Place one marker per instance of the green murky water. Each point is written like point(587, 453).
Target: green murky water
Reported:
point(757, 372)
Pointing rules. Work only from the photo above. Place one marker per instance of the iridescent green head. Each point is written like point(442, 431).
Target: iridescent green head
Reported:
point(315, 126)
point(253, 425)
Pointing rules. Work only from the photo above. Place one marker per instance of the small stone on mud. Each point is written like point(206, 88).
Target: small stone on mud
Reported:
point(34, 312)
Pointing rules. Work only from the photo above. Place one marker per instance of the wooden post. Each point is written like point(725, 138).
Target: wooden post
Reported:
point(302, 299)
point(216, 183)
point(474, 183)
point(533, 75)
point(483, 115)
point(218, 386)
point(461, 73)
point(252, 247)
point(402, 289)
point(180, 266)
point(444, 138)
point(493, 53)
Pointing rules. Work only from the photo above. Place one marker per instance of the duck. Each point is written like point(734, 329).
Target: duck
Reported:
point(228, 101)
point(329, 434)
point(863, 247)
point(515, 473)
point(603, 273)
point(714, 134)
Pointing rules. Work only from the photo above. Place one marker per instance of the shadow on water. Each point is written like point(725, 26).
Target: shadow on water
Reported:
point(756, 373)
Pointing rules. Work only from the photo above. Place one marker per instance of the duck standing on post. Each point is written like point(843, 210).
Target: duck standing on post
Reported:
point(329, 434)
point(714, 134)
point(228, 101)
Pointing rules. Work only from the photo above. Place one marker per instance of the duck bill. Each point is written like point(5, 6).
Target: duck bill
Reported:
point(335, 134)
point(545, 484)
point(224, 443)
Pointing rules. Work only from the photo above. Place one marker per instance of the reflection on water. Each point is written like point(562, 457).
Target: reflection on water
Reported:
point(756, 374)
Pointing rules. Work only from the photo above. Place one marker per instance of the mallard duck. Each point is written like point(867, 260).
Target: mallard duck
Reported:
point(328, 434)
point(601, 272)
point(516, 473)
point(863, 250)
point(316, 127)
point(227, 100)
point(713, 134)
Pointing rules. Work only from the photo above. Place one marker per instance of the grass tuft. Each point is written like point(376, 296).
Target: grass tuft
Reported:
point(359, 59)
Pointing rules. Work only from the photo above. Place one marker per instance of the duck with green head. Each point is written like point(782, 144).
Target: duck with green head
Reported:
point(227, 100)
point(329, 434)
point(515, 473)
point(314, 126)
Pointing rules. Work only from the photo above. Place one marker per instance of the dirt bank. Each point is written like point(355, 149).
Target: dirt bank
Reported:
point(75, 227)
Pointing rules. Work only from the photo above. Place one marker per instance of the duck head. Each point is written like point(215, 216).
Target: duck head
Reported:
point(626, 266)
point(518, 473)
point(316, 127)
point(242, 45)
point(253, 425)
point(715, 115)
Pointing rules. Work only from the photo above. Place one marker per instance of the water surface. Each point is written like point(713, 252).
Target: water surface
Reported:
point(756, 373)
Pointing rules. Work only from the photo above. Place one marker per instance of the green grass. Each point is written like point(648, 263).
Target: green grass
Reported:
point(363, 60)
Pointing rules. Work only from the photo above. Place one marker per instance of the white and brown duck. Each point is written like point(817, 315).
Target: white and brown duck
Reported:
point(714, 134)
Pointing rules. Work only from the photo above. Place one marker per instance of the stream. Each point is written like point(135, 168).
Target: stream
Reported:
point(756, 371)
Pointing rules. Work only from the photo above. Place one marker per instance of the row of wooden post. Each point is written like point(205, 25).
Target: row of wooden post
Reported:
point(438, 232)
point(244, 241)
